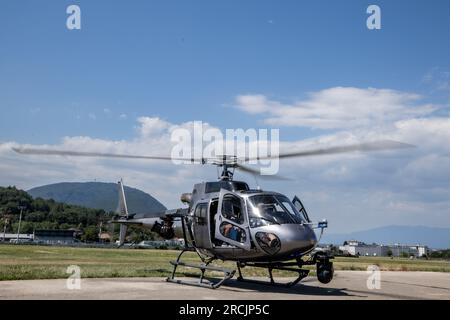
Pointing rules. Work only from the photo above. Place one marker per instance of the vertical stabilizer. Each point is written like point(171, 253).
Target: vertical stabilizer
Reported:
point(122, 210)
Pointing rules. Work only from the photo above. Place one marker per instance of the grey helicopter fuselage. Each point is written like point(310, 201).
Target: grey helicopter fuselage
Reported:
point(223, 221)
point(293, 238)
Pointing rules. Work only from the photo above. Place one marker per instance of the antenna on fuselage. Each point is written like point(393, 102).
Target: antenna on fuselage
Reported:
point(258, 187)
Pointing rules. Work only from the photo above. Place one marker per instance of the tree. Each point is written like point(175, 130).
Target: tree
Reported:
point(45, 214)
point(389, 253)
point(90, 234)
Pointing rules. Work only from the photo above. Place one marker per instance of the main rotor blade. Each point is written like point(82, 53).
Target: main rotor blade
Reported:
point(363, 147)
point(258, 173)
point(52, 152)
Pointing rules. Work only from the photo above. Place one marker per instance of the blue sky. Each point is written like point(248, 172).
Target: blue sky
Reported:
point(185, 60)
point(314, 69)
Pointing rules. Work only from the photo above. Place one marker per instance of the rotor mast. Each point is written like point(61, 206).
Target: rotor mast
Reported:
point(226, 164)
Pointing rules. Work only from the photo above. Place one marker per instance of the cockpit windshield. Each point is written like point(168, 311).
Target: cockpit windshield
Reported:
point(272, 209)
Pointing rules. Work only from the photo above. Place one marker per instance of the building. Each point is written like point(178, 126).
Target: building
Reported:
point(104, 237)
point(399, 250)
point(172, 243)
point(12, 237)
point(358, 248)
point(55, 236)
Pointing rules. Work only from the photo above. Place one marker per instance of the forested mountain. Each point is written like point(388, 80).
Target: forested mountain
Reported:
point(41, 213)
point(98, 195)
point(45, 214)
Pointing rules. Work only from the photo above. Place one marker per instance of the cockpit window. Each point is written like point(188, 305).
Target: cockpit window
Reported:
point(232, 209)
point(227, 185)
point(273, 209)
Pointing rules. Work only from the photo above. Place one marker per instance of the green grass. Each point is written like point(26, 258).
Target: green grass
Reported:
point(18, 262)
point(388, 264)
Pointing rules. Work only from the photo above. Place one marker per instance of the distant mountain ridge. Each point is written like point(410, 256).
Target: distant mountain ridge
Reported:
point(98, 195)
point(432, 237)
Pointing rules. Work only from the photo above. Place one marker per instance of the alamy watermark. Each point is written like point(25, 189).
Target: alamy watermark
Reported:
point(73, 282)
point(252, 146)
point(73, 21)
point(374, 279)
point(374, 20)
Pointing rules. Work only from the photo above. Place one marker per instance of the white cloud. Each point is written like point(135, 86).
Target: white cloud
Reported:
point(92, 116)
point(437, 79)
point(370, 190)
point(338, 108)
point(152, 126)
point(430, 134)
point(163, 180)
point(255, 104)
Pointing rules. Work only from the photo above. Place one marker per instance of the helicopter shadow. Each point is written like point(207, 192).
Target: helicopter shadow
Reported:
point(302, 288)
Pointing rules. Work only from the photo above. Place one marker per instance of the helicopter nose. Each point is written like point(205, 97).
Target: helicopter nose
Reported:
point(294, 238)
point(302, 237)
point(307, 235)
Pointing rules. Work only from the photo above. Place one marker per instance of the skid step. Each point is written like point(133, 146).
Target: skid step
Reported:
point(201, 267)
point(302, 273)
point(227, 273)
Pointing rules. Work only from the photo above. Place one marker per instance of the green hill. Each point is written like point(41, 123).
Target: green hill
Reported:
point(39, 213)
point(47, 214)
point(97, 195)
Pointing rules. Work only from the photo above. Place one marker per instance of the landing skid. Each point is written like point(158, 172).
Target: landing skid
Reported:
point(286, 266)
point(203, 267)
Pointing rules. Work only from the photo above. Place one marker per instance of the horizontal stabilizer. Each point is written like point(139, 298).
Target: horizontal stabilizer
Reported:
point(176, 212)
point(126, 222)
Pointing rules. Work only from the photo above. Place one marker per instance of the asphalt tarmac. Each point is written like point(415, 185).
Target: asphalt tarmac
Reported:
point(345, 285)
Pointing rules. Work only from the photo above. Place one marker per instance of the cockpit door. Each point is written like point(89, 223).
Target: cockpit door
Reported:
point(231, 220)
point(299, 206)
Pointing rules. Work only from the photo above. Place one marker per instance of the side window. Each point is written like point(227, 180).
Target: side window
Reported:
point(200, 214)
point(232, 209)
point(203, 212)
point(232, 232)
point(299, 206)
point(213, 207)
point(296, 215)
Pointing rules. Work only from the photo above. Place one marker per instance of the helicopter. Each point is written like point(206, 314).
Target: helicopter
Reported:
point(227, 220)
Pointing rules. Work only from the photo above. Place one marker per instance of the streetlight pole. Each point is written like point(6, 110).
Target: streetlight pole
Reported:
point(20, 220)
